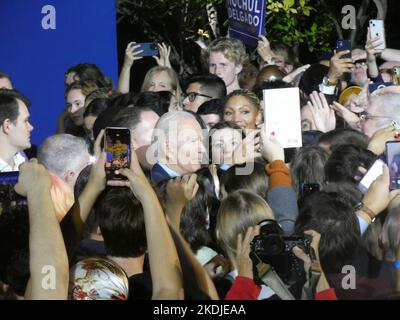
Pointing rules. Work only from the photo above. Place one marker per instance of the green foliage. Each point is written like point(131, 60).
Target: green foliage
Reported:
point(297, 22)
point(173, 22)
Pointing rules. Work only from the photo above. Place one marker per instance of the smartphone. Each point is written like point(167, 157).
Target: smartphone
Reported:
point(393, 161)
point(149, 49)
point(374, 172)
point(378, 85)
point(308, 189)
point(378, 30)
point(343, 45)
point(396, 71)
point(117, 145)
point(7, 193)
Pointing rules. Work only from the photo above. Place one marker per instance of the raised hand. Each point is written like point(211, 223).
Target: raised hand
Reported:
point(350, 117)
point(371, 46)
point(248, 149)
point(165, 52)
point(378, 195)
point(378, 141)
point(324, 117)
point(33, 178)
point(243, 262)
point(131, 54)
point(264, 50)
point(182, 189)
point(339, 66)
point(271, 148)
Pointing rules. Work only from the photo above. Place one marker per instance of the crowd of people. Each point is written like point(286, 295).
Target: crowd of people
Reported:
point(211, 206)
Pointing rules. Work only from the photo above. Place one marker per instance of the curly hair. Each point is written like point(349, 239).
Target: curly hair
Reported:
point(233, 49)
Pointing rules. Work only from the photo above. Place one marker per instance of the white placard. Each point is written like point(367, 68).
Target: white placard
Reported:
point(282, 115)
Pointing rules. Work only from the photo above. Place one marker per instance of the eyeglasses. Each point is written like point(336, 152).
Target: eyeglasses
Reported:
point(193, 95)
point(361, 62)
point(365, 116)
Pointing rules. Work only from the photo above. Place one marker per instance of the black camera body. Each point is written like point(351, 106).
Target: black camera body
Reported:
point(275, 249)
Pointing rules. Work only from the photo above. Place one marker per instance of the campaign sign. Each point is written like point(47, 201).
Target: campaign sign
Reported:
point(246, 20)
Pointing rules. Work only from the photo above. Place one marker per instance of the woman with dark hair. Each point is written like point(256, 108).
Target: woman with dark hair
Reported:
point(88, 72)
point(243, 107)
point(307, 167)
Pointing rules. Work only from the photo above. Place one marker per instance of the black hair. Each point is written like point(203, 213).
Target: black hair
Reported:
point(14, 247)
point(330, 214)
point(4, 75)
point(96, 107)
point(339, 137)
point(91, 72)
point(307, 166)
point(213, 106)
point(265, 85)
point(312, 78)
point(343, 163)
point(157, 101)
point(9, 104)
point(210, 84)
point(121, 221)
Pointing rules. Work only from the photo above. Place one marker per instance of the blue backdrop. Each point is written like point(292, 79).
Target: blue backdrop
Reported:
point(36, 56)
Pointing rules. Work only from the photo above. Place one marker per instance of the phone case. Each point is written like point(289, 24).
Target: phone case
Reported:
point(149, 49)
point(373, 172)
point(117, 148)
point(343, 45)
point(378, 30)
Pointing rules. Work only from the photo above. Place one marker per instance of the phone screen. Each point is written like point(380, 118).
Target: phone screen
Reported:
point(375, 171)
point(393, 161)
point(343, 45)
point(118, 154)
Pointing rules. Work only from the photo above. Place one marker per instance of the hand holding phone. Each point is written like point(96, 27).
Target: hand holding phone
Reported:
point(117, 145)
point(375, 171)
point(344, 45)
point(378, 30)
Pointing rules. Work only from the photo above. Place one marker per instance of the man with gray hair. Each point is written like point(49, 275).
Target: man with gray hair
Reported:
point(177, 145)
point(65, 156)
point(381, 110)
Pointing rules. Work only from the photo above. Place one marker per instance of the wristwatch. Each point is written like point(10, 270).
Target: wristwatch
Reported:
point(327, 82)
point(362, 207)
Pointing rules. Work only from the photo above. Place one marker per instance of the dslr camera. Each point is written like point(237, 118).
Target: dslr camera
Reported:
point(273, 248)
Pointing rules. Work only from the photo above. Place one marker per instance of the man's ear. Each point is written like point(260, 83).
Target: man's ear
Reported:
point(6, 126)
point(238, 68)
point(166, 150)
point(70, 177)
point(218, 234)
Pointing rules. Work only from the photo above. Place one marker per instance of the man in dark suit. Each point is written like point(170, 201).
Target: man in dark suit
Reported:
point(177, 145)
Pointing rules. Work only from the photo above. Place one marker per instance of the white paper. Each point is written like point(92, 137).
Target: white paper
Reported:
point(282, 115)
